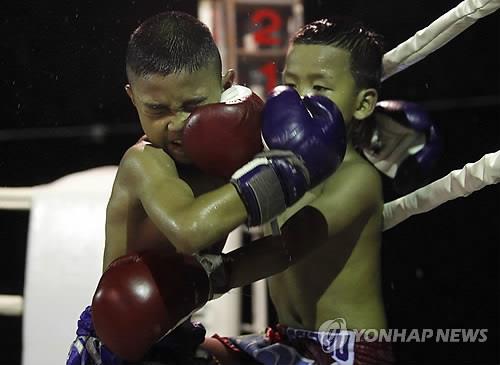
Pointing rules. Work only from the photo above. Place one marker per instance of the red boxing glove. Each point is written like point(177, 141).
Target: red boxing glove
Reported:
point(141, 297)
point(222, 137)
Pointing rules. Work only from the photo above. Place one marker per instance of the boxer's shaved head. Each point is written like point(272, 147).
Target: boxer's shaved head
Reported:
point(171, 42)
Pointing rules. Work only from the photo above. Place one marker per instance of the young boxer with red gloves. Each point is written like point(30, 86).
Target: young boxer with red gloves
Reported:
point(198, 173)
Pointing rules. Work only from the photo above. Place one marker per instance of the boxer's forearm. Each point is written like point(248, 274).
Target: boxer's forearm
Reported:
point(302, 233)
point(258, 260)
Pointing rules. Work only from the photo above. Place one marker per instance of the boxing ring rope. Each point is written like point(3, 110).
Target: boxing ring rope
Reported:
point(436, 35)
point(16, 198)
point(11, 305)
point(458, 183)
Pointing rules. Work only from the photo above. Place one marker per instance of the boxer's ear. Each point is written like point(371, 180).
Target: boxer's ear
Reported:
point(228, 79)
point(366, 101)
point(130, 93)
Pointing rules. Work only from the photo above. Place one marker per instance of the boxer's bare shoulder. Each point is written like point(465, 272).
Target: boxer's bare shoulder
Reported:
point(147, 189)
point(145, 161)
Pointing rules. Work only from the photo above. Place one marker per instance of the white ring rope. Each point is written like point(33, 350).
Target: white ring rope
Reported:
point(458, 183)
point(436, 35)
point(16, 198)
point(11, 305)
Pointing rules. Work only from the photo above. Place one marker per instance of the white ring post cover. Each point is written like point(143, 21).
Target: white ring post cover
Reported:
point(64, 261)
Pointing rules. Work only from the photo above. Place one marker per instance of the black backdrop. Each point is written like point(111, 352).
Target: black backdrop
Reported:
point(62, 67)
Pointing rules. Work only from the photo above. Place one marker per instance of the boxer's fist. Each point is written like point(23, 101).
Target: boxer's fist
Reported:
point(311, 127)
point(142, 297)
point(219, 138)
point(270, 183)
point(409, 144)
point(305, 142)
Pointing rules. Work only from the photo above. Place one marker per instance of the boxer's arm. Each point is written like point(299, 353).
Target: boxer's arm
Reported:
point(190, 224)
point(336, 217)
point(273, 254)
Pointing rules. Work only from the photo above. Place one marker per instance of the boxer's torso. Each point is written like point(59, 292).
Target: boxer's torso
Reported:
point(128, 227)
point(334, 281)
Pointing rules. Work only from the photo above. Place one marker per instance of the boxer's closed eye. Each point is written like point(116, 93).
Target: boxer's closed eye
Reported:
point(156, 107)
point(321, 88)
point(190, 105)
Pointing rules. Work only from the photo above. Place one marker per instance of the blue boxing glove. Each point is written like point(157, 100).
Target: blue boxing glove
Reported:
point(312, 128)
point(305, 143)
point(408, 144)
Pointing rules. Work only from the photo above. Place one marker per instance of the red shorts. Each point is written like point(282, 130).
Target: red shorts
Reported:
point(288, 346)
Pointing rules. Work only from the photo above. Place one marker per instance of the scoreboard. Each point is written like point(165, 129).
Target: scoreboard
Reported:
point(253, 37)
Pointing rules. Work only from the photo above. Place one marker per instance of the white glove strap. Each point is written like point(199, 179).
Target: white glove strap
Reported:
point(235, 94)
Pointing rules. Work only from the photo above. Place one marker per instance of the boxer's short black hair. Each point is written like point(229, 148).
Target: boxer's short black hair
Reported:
point(364, 45)
point(170, 42)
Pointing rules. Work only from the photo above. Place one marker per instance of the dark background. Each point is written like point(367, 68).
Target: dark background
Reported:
point(64, 110)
